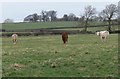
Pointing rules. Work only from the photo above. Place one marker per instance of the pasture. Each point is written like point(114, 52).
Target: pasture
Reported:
point(33, 25)
point(46, 56)
point(57, 24)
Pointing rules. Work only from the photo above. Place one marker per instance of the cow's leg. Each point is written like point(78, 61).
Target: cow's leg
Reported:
point(101, 38)
point(13, 40)
point(105, 39)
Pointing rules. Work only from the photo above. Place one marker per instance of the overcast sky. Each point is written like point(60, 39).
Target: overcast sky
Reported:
point(19, 10)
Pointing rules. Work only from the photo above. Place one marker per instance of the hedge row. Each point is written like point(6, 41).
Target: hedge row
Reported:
point(49, 32)
point(53, 32)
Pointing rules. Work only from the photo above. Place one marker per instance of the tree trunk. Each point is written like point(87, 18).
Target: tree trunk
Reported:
point(86, 22)
point(109, 26)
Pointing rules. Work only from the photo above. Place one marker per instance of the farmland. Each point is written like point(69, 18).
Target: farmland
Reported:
point(46, 56)
point(41, 25)
point(40, 28)
point(32, 25)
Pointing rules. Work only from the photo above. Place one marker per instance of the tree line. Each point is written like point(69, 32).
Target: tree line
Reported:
point(51, 15)
point(109, 13)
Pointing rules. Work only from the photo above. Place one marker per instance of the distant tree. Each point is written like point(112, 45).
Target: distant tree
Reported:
point(82, 18)
point(8, 20)
point(35, 17)
point(40, 18)
point(65, 17)
point(108, 13)
point(31, 18)
point(71, 17)
point(118, 12)
point(44, 15)
point(76, 18)
point(52, 14)
point(88, 15)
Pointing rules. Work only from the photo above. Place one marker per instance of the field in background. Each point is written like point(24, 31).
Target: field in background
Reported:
point(93, 29)
point(14, 26)
point(46, 56)
point(60, 25)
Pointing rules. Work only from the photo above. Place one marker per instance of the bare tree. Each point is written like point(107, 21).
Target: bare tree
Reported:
point(108, 13)
point(119, 12)
point(88, 15)
point(102, 16)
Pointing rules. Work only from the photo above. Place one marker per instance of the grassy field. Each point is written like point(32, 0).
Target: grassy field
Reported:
point(36, 25)
point(93, 29)
point(14, 26)
point(46, 56)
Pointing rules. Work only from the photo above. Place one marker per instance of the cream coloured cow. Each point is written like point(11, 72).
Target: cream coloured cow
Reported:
point(103, 35)
point(14, 38)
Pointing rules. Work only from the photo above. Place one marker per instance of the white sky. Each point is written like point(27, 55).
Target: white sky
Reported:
point(18, 10)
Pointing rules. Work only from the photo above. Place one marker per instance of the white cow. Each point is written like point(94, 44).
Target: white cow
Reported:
point(14, 38)
point(103, 35)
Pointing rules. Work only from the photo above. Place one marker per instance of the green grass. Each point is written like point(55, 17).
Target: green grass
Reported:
point(93, 29)
point(14, 26)
point(84, 56)
point(32, 25)
point(113, 28)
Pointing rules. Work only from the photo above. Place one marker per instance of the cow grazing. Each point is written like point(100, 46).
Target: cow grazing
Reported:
point(65, 37)
point(103, 35)
point(14, 38)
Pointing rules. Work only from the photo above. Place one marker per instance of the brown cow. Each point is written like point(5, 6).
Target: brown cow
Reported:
point(65, 37)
